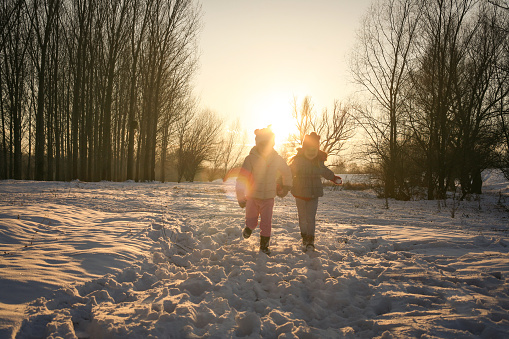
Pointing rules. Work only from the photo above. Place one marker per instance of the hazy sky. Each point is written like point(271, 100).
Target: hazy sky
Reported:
point(256, 55)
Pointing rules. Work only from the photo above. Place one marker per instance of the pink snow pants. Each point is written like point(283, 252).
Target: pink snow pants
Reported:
point(262, 208)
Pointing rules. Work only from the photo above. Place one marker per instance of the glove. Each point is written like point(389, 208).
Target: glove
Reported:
point(337, 180)
point(282, 191)
point(242, 203)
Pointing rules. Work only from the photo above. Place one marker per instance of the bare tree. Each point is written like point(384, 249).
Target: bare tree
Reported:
point(178, 97)
point(95, 80)
point(137, 35)
point(435, 74)
point(227, 155)
point(445, 39)
point(13, 84)
point(504, 4)
point(116, 35)
point(178, 108)
point(198, 137)
point(303, 116)
point(169, 60)
point(478, 92)
point(334, 127)
point(233, 148)
point(44, 15)
point(80, 31)
point(380, 65)
point(502, 80)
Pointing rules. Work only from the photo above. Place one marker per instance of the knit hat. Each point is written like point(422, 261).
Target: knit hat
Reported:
point(311, 140)
point(264, 135)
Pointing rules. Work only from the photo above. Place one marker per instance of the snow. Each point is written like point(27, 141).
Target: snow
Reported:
point(142, 260)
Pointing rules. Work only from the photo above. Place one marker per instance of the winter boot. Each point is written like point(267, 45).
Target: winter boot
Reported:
point(304, 240)
point(310, 246)
point(264, 244)
point(246, 233)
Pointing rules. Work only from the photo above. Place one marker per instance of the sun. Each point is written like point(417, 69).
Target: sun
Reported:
point(275, 110)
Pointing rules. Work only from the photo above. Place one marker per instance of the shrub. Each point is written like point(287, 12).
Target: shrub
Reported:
point(349, 186)
point(356, 186)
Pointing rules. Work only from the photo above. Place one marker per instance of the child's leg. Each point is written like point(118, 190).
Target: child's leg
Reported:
point(266, 207)
point(302, 211)
point(311, 208)
point(252, 212)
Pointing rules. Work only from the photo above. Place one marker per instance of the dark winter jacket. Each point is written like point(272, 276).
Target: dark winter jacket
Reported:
point(257, 177)
point(307, 175)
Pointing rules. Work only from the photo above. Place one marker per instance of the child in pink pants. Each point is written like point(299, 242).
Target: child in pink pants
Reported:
point(256, 185)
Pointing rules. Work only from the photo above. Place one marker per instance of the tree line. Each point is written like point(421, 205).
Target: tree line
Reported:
point(93, 90)
point(101, 90)
point(435, 80)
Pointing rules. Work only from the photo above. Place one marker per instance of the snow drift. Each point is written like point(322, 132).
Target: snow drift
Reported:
point(141, 260)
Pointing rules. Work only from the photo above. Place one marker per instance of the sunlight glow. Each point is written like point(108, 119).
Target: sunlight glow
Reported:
point(274, 109)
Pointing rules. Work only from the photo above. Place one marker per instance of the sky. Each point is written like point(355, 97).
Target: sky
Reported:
point(256, 56)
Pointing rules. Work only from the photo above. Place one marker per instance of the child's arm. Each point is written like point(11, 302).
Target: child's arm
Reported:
point(286, 174)
point(329, 175)
point(243, 179)
point(326, 172)
point(286, 179)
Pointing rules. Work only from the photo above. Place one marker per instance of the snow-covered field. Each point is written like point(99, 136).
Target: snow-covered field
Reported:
point(146, 260)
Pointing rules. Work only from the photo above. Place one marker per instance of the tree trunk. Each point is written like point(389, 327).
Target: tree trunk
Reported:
point(3, 170)
point(40, 136)
point(39, 122)
point(17, 130)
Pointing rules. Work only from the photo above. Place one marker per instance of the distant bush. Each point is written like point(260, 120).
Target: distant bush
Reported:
point(356, 186)
point(349, 186)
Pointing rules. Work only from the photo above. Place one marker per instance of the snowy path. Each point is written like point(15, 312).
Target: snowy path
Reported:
point(167, 260)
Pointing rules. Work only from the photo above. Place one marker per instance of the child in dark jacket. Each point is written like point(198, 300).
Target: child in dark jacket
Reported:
point(307, 169)
point(256, 185)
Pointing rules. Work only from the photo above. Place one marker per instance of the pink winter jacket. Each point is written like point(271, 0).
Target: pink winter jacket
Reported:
point(257, 177)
